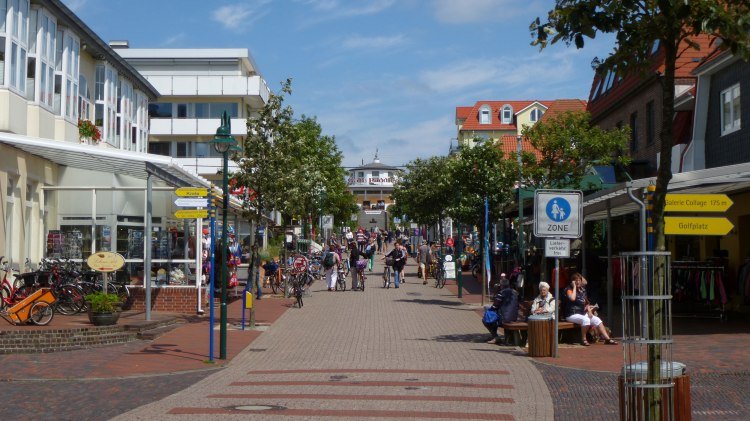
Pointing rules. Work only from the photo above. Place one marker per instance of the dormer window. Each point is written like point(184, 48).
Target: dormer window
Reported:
point(507, 114)
point(484, 115)
point(536, 114)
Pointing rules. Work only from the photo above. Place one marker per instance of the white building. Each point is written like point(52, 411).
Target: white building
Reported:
point(372, 184)
point(62, 195)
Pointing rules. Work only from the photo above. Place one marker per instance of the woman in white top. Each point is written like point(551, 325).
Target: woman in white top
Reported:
point(544, 303)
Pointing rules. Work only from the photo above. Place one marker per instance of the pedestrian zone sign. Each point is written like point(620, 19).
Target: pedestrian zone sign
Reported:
point(558, 213)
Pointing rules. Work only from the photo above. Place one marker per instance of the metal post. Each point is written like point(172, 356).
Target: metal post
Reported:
point(225, 205)
point(198, 225)
point(521, 246)
point(610, 279)
point(147, 245)
point(211, 276)
point(557, 307)
point(93, 224)
point(459, 251)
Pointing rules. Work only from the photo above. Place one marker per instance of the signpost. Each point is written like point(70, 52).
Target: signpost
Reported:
point(192, 192)
point(191, 213)
point(689, 225)
point(449, 266)
point(558, 217)
point(191, 202)
point(676, 202)
point(105, 262)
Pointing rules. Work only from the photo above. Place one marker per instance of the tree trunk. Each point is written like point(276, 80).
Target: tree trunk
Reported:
point(655, 308)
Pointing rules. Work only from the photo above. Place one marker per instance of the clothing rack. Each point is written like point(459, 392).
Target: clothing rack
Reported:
point(700, 283)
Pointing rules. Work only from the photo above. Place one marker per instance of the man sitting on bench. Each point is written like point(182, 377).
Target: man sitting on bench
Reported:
point(506, 306)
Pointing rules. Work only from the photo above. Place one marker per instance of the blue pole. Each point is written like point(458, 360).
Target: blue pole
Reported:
point(211, 319)
point(487, 240)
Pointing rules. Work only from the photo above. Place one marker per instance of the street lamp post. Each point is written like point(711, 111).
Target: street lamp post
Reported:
point(521, 251)
point(223, 142)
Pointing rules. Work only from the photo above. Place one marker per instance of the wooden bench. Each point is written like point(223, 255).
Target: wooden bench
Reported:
point(515, 332)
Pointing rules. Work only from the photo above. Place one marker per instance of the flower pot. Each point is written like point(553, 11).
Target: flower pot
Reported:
point(104, 319)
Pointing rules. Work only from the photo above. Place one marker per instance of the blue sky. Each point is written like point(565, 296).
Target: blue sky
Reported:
point(383, 74)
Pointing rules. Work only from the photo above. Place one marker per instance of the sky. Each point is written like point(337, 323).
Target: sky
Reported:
point(377, 74)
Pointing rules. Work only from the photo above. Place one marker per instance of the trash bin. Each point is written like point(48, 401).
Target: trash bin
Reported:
point(540, 335)
point(638, 394)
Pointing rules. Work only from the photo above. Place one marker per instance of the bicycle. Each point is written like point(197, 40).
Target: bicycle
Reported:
point(439, 273)
point(297, 288)
point(387, 276)
point(361, 265)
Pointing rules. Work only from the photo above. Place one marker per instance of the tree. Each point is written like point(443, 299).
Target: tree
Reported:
point(423, 190)
point(261, 167)
point(569, 147)
point(638, 25)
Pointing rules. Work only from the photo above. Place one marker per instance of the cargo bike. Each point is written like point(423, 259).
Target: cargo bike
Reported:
point(37, 308)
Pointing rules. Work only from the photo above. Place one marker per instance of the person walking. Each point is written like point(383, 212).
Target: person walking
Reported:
point(424, 257)
point(398, 254)
point(379, 238)
point(370, 253)
point(331, 263)
point(361, 239)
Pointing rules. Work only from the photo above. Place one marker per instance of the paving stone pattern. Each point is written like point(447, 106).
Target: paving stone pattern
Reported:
point(415, 352)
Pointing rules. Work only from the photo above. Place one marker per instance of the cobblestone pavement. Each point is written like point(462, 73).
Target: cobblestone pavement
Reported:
point(415, 352)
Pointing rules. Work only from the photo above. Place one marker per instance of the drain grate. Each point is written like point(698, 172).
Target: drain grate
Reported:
point(257, 407)
point(416, 388)
point(414, 294)
point(337, 378)
point(412, 380)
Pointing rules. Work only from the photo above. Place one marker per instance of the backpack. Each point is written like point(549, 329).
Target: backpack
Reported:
point(328, 261)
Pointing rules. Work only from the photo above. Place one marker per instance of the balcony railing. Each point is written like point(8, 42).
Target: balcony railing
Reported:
point(242, 86)
point(194, 126)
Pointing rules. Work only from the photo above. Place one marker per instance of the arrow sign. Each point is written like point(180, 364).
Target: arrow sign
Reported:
point(191, 192)
point(686, 225)
point(697, 202)
point(191, 213)
point(191, 202)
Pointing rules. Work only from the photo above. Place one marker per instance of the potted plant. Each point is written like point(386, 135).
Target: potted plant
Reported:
point(88, 132)
point(104, 309)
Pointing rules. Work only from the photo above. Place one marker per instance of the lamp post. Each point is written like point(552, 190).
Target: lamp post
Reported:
point(521, 251)
point(223, 142)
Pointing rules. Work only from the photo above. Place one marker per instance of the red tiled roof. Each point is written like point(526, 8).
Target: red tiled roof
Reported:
point(472, 119)
point(718, 51)
point(560, 106)
point(462, 112)
point(509, 145)
point(687, 62)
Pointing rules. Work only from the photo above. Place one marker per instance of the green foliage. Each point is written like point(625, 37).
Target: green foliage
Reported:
point(569, 148)
point(101, 302)
point(424, 190)
point(478, 172)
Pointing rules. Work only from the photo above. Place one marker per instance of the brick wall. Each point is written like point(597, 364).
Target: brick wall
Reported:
point(621, 114)
point(173, 300)
point(52, 340)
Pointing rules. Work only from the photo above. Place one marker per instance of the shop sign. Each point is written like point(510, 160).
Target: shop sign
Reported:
point(105, 261)
point(689, 225)
point(676, 202)
point(449, 266)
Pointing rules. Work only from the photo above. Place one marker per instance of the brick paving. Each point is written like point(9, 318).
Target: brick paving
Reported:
point(410, 353)
point(415, 352)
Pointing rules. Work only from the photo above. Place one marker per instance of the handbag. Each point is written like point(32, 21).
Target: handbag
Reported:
point(490, 316)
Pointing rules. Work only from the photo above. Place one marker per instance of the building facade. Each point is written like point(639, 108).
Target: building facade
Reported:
point(372, 185)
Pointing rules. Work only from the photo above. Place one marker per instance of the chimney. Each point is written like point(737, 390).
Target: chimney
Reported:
point(119, 44)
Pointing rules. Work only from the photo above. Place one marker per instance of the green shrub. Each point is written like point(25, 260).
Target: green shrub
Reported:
point(102, 303)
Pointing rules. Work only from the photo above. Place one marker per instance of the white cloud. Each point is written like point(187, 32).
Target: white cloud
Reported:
point(335, 9)
point(237, 16)
point(174, 39)
point(358, 42)
point(470, 11)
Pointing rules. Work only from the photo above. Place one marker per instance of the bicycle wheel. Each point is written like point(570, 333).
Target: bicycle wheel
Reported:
point(275, 285)
point(6, 293)
point(342, 281)
point(475, 272)
point(387, 277)
point(441, 279)
point(362, 280)
point(69, 300)
point(298, 295)
point(41, 313)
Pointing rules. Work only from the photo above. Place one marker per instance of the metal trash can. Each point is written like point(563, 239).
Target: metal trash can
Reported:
point(677, 395)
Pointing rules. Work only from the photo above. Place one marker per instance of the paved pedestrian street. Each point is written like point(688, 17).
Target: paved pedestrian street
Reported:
point(410, 353)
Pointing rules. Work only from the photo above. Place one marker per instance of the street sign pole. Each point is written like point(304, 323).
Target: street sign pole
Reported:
point(212, 277)
point(557, 307)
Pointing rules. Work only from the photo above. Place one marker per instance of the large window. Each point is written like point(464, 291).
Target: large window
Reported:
point(45, 52)
point(634, 132)
point(160, 110)
point(650, 123)
point(730, 110)
point(14, 37)
point(159, 148)
point(536, 114)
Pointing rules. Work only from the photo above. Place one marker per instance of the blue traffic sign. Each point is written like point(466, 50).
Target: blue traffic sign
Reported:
point(558, 209)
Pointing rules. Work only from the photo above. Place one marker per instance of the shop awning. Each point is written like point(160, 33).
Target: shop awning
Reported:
point(728, 179)
point(105, 159)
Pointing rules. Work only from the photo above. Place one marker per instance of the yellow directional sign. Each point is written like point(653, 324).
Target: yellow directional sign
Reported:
point(191, 192)
point(697, 202)
point(191, 213)
point(686, 225)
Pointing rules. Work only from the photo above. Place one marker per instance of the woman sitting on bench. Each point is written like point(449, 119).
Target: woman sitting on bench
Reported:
point(544, 303)
point(579, 311)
